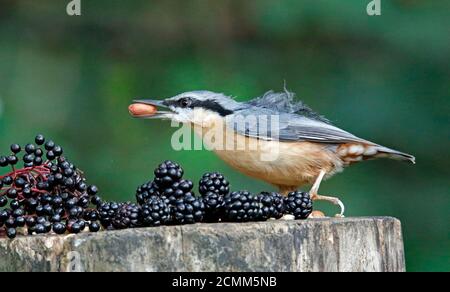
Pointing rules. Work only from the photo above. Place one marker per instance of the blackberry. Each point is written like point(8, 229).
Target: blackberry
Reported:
point(155, 212)
point(177, 191)
point(127, 216)
point(188, 210)
point(241, 206)
point(167, 174)
point(107, 212)
point(214, 206)
point(214, 182)
point(272, 205)
point(299, 204)
point(147, 191)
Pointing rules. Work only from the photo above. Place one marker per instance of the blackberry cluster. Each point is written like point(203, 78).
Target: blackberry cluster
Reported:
point(167, 174)
point(214, 206)
point(299, 204)
point(107, 213)
point(127, 216)
point(48, 193)
point(188, 210)
point(241, 206)
point(213, 186)
point(169, 192)
point(167, 184)
point(272, 205)
point(170, 197)
point(214, 182)
point(178, 191)
point(147, 191)
point(155, 212)
point(164, 200)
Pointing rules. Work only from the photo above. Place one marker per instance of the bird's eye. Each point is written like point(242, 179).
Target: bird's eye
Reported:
point(185, 102)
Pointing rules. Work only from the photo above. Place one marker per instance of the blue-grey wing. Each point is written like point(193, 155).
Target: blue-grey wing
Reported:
point(270, 125)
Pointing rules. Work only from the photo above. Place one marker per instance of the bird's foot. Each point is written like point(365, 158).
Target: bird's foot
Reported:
point(333, 200)
point(317, 214)
point(316, 197)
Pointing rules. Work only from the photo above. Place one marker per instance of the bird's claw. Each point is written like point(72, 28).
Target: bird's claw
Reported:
point(332, 200)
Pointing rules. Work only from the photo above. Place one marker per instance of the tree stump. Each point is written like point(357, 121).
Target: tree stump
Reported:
point(329, 244)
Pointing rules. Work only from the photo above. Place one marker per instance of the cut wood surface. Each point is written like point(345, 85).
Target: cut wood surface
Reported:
point(329, 244)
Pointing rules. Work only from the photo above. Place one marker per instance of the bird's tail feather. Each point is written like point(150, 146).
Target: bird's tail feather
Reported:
point(394, 154)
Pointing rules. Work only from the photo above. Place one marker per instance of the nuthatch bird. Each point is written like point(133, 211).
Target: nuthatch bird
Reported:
point(309, 148)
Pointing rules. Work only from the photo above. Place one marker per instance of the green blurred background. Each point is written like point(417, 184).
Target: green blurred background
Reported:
point(383, 78)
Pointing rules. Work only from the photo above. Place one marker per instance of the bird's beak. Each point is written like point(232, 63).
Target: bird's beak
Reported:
point(156, 103)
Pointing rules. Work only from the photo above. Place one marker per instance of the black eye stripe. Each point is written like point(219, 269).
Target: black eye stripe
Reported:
point(212, 106)
point(206, 104)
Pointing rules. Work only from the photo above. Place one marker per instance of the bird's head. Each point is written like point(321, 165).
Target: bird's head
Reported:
point(194, 106)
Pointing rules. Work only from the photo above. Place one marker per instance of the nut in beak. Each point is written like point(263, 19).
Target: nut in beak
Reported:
point(148, 109)
point(140, 110)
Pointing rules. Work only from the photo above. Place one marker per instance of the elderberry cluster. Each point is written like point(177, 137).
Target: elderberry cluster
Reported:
point(44, 192)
